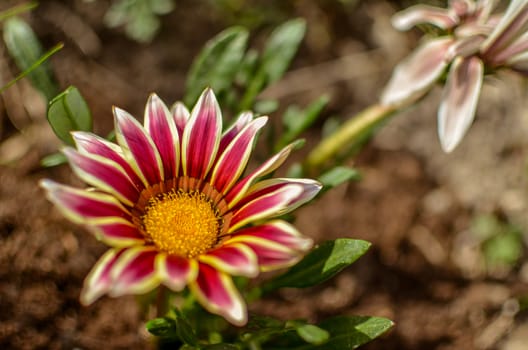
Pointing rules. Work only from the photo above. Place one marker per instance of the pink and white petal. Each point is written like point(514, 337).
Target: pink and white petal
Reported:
point(84, 207)
point(88, 143)
point(181, 115)
point(519, 63)
point(421, 14)
point(465, 47)
point(217, 293)
point(239, 190)
point(118, 233)
point(277, 231)
point(234, 259)
point(176, 272)
point(459, 100)
point(161, 127)
point(271, 255)
point(104, 174)
point(240, 123)
point(99, 281)
point(138, 148)
point(134, 272)
point(310, 189)
point(462, 8)
point(519, 47)
point(268, 205)
point(232, 162)
point(201, 136)
point(416, 74)
point(511, 25)
point(483, 9)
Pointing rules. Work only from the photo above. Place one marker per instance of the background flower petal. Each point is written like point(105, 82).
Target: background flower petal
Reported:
point(459, 100)
point(217, 293)
point(422, 14)
point(181, 115)
point(415, 75)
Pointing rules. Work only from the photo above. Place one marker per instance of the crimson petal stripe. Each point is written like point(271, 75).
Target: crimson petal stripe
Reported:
point(239, 190)
point(234, 259)
point(269, 205)
point(98, 281)
point(116, 233)
point(176, 272)
point(181, 115)
point(217, 293)
point(201, 136)
point(138, 147)
point(162, 129)
point(240, 123)
point(233, 160)
point(82, 206)
point(103, 174)
point(135, 272)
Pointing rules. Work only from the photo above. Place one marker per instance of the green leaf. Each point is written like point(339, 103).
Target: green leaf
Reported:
point(163, 327)
point(278, 53)
point(320, 264)
point(338, 175)
point(217, 64)
point(15, 10)
point(312, 334)
point(185, 331)
point(52, 160)
point(221, 346)
point(25, 49)
point(349, 332)
point(69, 112)
point(297, 121)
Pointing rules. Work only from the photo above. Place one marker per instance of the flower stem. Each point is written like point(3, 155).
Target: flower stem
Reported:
point(352, 131)
point(162, 301)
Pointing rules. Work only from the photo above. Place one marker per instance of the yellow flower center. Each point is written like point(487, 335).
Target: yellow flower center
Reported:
point(182, 223)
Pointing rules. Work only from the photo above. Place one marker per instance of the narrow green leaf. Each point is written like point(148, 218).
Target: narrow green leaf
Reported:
point(16, 10)
point(69, 112)
point(349, 332)
point(278, 53)
point(25, 49)
point(217, 64)
point(320, 264)
point(338, 175)
point(312, 334)
point(52, 160)
point(163, 327)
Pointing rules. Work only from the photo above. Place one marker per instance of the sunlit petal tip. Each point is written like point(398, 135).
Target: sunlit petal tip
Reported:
point(459, 101)
point(217, 293)
point(176, 272)
point(134, 272)
point(234, 259)
point(416, 74)
point(181, 115)
point(98, 282)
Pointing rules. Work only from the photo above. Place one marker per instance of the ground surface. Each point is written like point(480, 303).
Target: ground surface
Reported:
point(415, 204)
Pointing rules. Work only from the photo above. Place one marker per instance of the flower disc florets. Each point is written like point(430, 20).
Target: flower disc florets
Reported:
point(170, 200)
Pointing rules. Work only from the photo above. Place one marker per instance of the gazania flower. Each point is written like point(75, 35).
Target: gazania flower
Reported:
point(472, 42)
point(171, 201)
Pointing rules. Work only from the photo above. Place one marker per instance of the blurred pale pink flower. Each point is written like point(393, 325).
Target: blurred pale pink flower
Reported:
point(171, 202)
point(474, 42)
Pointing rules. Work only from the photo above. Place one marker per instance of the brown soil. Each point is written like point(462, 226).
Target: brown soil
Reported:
point(414, 203)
